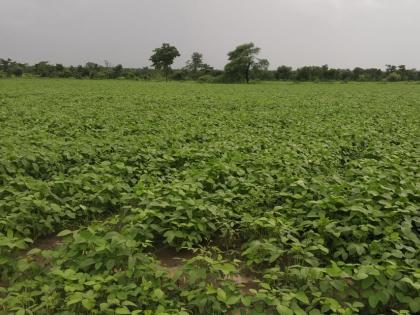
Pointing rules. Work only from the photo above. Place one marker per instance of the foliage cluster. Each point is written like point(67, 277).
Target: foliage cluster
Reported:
point(243, 66)
point(312, 189)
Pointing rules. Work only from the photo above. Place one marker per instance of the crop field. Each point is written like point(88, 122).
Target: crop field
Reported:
point(129, 197)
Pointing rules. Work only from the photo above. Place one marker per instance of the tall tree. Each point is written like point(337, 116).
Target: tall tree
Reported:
point(284, 73)
point(5, 65)
point(195, 64)
point(116, 71)
point(402, 71)
point(241, 61)
point(260, 69)
point(44, 69)
point(164, 57)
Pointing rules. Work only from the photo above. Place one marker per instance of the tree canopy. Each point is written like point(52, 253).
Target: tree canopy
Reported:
point(241, 59)
point(164, 57)
point(243, 66)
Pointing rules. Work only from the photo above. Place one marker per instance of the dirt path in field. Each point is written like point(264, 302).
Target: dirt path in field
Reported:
point(168, 258)
point(48, 243)
point(173, 261)
point(45, 243)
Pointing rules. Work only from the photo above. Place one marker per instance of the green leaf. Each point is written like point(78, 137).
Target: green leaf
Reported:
point(122, 310)
point(158, 293)
point(334, 270)
point(415, 285)
point(64, 233)
point(221, 295)
point(128, 303)
point(383, 296)
point(297, 310)
point(301, 296)
point(88, 304)
point(74, 300)
point(170, 235)
point(104, 306)
point(283, 310)
point(373, 300)
point(34, 251)
point(340, 285)
point(415, 305)
point(360, 276)
point(246, 300)
point(233, 300)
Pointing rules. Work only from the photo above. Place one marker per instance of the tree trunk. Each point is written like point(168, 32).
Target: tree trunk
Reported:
point(247, 73)
point(165, 72)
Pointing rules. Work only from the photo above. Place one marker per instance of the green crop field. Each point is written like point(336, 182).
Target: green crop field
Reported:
point(129, 197)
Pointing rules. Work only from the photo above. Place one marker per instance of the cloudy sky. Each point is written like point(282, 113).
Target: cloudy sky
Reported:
point(340, 33)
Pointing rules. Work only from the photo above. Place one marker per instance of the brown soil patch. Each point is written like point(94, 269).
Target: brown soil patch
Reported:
point(173, 261)
point(48, 243)
point(45, 243)
point(169, 257)
point(246, 281)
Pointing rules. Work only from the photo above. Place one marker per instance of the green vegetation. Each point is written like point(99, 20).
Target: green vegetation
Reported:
point(306, 193)
point(242, 66)
point(164, 57)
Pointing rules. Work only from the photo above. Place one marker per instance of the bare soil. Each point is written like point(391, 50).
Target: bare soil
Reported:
point(45, 243)
point(173, 261)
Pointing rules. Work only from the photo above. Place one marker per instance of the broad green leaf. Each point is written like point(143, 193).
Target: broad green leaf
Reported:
point(221, 295)
point(283, 310)
point(301, 296)
point(64, 233)
point(122, 310)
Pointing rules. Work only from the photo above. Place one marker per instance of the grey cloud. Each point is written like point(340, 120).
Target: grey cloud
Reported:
point(340, 33)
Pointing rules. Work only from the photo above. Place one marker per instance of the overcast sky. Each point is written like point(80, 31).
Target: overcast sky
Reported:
point(340, 33)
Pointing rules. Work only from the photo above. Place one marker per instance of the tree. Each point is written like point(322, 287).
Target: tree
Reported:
point(304, 73)
point(116, 71)
point(260, 69)
point(393, 77)
point(390, 68)
point(283, 73)
point(10, 67)
point(164, 57)
point(5, 65)
point(373, 74)
point(241, 60)
point(195, 67)
point(402, 71)
point(144, 73)
point(81, 72)
point(344, 74)
point(196, 62)
point(411, 74)
point(92, 69)
point(44, 69)
point(357, 73)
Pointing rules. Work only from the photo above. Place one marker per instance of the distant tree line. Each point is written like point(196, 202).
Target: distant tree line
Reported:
point(243, 66)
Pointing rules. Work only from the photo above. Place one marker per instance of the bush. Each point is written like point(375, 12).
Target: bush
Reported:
point(179, 75)
point(393, 77)
point(207, 78)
